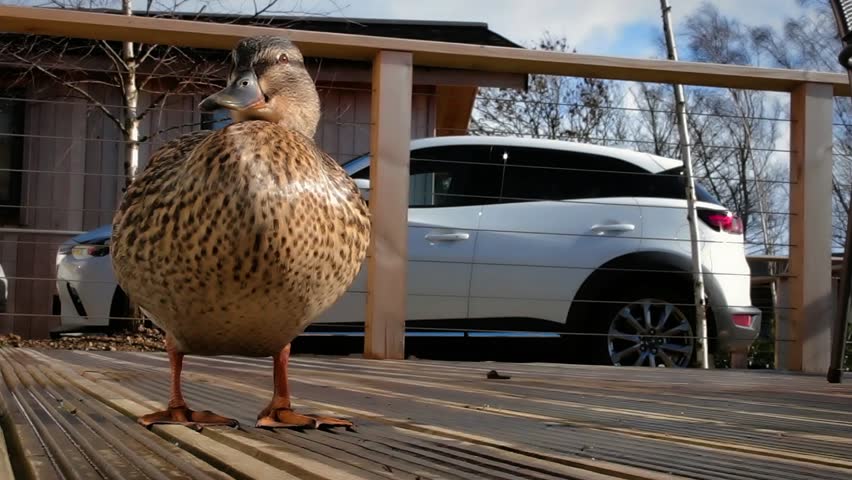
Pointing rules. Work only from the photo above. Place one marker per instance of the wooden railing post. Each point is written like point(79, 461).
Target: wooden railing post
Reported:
point(810, 227)
point(390, 137)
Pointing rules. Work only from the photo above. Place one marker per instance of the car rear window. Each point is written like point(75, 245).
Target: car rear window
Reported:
point(672, 184)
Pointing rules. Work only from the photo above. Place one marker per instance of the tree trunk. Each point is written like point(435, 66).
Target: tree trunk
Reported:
point(131, 144)
point(131, 151)
point(131, 104)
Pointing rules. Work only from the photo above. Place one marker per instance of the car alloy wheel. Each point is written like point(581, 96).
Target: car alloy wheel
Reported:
point(652, 333)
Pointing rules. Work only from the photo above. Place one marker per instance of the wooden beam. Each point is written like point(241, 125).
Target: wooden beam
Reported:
point(332, 71)
point(469, 78)
point(810, 233)
point(81, 24)
point(361, 72)
point(454, 109)
point(390, 137)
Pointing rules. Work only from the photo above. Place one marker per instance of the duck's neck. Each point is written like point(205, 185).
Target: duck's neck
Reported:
point(299, 112)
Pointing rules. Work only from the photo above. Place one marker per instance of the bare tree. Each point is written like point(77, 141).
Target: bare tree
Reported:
point(733, 134)
point(553, 107)
point(147, 75)
point(653, 120)
point(811, 42)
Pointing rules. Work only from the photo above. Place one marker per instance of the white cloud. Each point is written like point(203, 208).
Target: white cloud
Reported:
point(592, 26)
point(520, 21)
point(596, 26)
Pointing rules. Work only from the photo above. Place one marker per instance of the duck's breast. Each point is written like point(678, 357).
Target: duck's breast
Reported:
point(263, 232)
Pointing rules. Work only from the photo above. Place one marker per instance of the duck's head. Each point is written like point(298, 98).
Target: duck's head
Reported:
point(268, 81)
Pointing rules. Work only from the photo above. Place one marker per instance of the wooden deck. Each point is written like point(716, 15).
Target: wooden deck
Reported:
point(70, 414)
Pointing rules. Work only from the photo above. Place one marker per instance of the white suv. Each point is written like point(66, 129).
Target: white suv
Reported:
point(529, 235)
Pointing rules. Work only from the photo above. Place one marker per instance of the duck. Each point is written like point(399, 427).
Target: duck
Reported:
point(234, 241)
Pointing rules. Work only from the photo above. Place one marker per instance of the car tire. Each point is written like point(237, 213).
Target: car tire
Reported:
point(616, 331)
point(122, 315)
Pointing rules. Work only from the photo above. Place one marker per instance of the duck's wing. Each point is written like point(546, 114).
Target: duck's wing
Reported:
point(177, 149)
point(359, 211)
point(163, 164)
point(338, 175)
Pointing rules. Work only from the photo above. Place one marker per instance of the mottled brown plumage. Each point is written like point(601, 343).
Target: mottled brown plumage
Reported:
point(234, 241)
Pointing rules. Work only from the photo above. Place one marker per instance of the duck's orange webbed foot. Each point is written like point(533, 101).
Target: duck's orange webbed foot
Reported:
point(287, 418)
point(186, 417)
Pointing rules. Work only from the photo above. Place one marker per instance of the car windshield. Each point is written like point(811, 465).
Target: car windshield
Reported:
point(97, 235)
point(354, 165)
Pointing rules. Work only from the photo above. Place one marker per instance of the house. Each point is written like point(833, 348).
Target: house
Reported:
point(61, 157)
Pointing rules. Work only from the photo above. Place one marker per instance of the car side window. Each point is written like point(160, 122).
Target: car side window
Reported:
point(451, 176)
point(454, 176)
point(543, 174)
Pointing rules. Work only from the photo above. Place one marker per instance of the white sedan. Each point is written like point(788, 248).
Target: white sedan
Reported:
point(89, 296)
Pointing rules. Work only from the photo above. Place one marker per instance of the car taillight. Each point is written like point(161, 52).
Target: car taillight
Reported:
point(721, 220)
point(743, 320)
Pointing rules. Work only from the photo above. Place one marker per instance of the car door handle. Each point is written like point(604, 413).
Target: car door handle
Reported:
point(447, 237)
point(614, 227)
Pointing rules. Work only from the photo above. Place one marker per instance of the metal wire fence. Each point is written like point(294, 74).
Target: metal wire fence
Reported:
point(535, 216)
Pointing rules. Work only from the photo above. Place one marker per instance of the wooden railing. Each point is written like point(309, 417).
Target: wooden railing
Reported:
point(393, 60)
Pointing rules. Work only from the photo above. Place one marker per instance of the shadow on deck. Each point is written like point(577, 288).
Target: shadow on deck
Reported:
point(70, 414)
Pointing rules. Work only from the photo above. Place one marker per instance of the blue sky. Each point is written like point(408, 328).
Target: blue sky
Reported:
point(611, 27)
point(606, 27)
point(636, 39)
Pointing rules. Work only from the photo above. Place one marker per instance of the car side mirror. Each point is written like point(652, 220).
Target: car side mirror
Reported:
point(363, 185)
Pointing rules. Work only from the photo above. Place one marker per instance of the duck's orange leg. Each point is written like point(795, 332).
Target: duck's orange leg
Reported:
point(279, 413)
point(178, 412)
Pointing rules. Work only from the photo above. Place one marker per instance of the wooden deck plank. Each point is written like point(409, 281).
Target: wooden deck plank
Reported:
point(30, 455)
point(620, 417)
point(5, 459)
point(422, 419)
point(793, 468)
point(406, 461)
point(151, 454)
point(193, 390)
point(42, 446)
point(625, 415)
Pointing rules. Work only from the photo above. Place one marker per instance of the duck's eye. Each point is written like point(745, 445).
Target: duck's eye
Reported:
point(282, 59)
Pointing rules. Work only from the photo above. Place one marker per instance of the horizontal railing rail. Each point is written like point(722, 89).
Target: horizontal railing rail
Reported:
point(199, 34)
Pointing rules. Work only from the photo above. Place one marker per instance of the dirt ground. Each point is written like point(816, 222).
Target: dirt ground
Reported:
point(142, 340)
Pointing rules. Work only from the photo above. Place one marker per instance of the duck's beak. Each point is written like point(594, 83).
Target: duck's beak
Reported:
point(242, 94)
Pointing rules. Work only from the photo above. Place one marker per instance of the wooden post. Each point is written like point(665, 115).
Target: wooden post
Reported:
point(390, 138)
point(810, 227)
point(784, 333)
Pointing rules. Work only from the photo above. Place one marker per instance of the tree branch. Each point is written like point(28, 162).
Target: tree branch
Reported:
point(265, 9)
point(117, 61)
point(153, 105)
point(147, 54)
point(113, 55)
point(79, 90)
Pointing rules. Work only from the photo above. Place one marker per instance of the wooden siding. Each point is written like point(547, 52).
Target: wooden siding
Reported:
point(73, 163)
point(344, 131)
